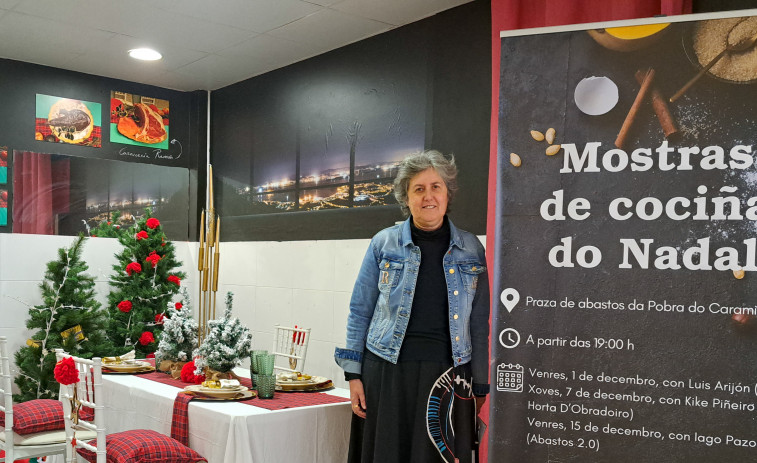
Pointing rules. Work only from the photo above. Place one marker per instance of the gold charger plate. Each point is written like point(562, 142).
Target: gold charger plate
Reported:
point(134, 366)
point(219, 393)
point(147, 369)
point(242, 395)
point(316, 383)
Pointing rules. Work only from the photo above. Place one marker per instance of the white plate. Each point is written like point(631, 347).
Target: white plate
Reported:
point(127, 365)
point(225, 392)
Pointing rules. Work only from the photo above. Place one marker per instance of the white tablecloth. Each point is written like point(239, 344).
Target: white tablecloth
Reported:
point(230, 432)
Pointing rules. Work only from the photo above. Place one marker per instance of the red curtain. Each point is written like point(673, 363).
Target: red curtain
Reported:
point(524, 14)
point(40, 192)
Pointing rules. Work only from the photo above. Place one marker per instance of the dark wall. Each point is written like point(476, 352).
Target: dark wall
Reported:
point(446, 58)
point(706, 6)
point(20, 83)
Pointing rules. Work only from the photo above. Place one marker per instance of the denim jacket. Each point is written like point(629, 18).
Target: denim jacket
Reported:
point(383, 296)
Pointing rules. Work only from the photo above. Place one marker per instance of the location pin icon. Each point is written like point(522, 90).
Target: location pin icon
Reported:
point(510, 298)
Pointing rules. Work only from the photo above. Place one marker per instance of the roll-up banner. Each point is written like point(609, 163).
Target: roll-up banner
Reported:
point(625, 279)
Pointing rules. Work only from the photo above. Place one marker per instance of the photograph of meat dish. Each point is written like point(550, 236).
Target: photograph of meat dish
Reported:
point(138, 120)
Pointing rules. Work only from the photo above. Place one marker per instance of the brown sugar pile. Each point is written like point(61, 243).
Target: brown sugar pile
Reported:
point(713, 36)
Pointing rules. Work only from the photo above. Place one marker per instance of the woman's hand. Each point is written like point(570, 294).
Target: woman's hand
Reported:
point(357, 397)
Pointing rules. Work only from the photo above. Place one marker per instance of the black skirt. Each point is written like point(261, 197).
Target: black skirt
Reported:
point(418, 411)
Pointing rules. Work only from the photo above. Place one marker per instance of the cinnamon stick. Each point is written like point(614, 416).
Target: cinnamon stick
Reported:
point(661, 108)
point(631, 116)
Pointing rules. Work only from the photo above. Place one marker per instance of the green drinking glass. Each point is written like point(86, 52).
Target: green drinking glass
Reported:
point(266, 386)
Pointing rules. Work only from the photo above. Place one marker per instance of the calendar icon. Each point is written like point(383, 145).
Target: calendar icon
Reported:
point(509, 377)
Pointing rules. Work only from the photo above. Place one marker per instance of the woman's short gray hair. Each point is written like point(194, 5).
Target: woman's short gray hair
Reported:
point(417, 163)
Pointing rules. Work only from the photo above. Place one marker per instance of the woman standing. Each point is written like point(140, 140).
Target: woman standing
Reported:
point(416, 356)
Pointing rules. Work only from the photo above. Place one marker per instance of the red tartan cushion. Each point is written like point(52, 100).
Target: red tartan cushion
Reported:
point(87, 413)
point(38, 415)
point(143, 446)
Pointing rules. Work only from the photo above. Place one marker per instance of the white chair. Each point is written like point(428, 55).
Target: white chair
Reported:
point(18, 446)
point(290, 345)
point(147, 443)
point(90, 382)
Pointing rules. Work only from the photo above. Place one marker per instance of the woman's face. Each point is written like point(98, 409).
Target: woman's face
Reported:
point(427, 199)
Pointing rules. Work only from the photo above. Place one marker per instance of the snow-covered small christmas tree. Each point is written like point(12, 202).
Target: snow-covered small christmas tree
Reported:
point(179, 340)
point(227, 344)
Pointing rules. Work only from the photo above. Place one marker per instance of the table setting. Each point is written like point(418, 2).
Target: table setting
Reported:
point(126, 364)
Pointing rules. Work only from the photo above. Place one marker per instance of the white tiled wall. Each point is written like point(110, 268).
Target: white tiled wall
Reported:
point(304, 283)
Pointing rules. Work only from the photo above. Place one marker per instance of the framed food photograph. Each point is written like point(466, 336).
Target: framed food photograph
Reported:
point(3, 208)
point(66, 120)
point(138, 120)
point(3, 165)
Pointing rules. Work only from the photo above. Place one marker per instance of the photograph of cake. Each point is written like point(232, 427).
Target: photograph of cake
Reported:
point(66, 120)
point(138, 120)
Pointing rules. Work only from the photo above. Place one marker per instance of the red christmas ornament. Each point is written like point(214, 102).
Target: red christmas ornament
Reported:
point(146, 338)
point(142, 235)
point(178, 305)
point(151, 355)
point(174, 279)
point(65, 372)
point(133, 267)
point(188, 374)
point(153, 258)
point(125, 306)
point(159, 318)
point(152, 223)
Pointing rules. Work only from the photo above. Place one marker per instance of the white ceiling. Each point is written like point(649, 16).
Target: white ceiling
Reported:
point(206, 44)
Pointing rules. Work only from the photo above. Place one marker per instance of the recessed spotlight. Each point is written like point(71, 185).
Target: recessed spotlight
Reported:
point(145, 54)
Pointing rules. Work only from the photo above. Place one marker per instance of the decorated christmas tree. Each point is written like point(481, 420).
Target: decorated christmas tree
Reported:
point(179, 340)
point(110, 228)
point(69, 317)
point(145, 279)
point(227, 344)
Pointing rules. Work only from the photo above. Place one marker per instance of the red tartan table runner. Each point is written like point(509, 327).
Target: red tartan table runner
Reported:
point(280, 401)
point(180, 421)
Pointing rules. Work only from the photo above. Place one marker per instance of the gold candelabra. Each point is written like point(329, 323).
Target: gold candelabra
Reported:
point(208, 262)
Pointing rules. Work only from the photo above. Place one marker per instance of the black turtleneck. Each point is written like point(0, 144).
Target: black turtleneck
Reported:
point(427, 335)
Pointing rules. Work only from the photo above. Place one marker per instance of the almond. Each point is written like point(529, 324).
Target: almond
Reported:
point(538, 136)
point(552, 150)
point(739, 274)
point(550, 136)
point(515, 159)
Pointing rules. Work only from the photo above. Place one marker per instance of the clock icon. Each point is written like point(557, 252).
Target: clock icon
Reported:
point(509, 338)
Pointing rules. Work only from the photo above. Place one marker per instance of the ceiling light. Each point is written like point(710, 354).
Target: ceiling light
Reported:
point(145, 54)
